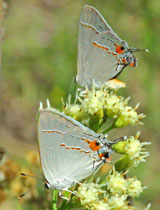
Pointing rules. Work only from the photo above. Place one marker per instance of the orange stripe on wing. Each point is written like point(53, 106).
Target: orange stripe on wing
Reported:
point(90, 26)
point(62, 145)
point(52, 131)
point(76, 148)
point(104, 48)
point(85, 151)
point(100, 46)
point(68, 147)
point(71, 147)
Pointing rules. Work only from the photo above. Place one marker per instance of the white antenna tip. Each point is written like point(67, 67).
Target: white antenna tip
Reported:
point(48, 103)
point(40, 106)
point(125, 137)
point(147, 50)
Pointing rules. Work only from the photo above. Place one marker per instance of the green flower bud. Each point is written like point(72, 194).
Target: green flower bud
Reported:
point(120, 147)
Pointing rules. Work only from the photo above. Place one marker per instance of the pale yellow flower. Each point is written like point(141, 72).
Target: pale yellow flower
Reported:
point(101, 205)
point(72, 110)
point(128, 115)
point(113, 105)
point(134, 187)
point(133, 148)
point(117, 201)
point(94, 102)
point(88, 193)
point(116, 183)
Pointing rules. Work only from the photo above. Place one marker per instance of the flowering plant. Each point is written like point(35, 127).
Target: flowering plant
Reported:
point(96, 108)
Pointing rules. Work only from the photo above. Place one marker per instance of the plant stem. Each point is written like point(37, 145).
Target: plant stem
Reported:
point(108, 129)
point(54, 202)
point(19, 207)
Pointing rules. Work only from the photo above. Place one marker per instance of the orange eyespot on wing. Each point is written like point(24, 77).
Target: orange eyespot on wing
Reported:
point(94, 145)
point(123, 61)
point(133, 64)
point(105, 156)
point(119, 49)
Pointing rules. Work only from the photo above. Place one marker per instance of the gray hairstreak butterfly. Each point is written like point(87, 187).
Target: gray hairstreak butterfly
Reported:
point(69, 151)
point(102, 55)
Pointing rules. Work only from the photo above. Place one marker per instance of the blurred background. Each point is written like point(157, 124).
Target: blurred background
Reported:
point(40, 60)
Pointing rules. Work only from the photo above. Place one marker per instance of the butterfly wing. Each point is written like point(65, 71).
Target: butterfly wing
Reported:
point(92, 24)
point(104, 58)
point(92, 19)
point(57, 134)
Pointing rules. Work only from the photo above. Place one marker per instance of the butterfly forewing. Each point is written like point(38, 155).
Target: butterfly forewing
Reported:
point(91, 18)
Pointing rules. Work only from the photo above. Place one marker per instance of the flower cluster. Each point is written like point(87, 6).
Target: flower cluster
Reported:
point(102, 104)
point(113, 195)
point(93, 108)
point(89, 193)
point(133, 150)
point(118, 184)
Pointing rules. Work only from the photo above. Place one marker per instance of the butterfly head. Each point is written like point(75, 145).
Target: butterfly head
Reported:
point(127, 58)
point(132, 61)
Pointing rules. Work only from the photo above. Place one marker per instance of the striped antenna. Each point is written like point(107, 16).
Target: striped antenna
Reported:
point(138, 50)
point(27, 175)
point(23, 194)
point(23, 174)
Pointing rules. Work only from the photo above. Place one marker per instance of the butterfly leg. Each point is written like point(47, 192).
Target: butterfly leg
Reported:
point(63, 197)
